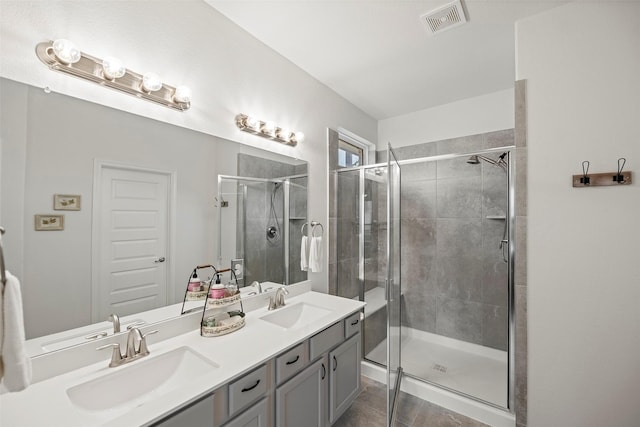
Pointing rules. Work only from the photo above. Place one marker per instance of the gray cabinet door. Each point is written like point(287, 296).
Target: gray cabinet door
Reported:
point(199, 414)
point(256, 416)
point(300, 401)
point(344, 377)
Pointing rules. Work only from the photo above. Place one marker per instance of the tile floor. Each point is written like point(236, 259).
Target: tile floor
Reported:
point(368, 410)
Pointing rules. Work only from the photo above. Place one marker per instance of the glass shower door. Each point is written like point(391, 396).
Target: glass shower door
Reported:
point(393, 291)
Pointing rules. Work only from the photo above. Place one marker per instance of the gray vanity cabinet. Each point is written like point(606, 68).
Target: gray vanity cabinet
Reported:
point(300, 402)
point(344, 377)
point(256, 416)
point(198, 414)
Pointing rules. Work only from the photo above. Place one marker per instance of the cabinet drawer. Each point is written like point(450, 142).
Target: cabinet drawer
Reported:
point(247, 389)
point(352, 325)
point(291, 362)
point(327, 339)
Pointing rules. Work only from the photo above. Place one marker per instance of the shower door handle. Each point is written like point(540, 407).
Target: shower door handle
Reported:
point(505, 244)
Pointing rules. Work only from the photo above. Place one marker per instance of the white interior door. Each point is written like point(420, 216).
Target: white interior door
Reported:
point(131, 237)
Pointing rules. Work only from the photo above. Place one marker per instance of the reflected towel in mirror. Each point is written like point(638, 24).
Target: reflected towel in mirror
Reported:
point(304, 258)
point(315, 254)
point(15, 365)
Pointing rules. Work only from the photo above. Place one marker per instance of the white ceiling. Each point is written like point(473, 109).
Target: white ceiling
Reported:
point(378, 54)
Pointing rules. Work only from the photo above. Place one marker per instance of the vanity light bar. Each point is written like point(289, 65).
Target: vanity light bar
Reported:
point(103, 72)
point(268, 130)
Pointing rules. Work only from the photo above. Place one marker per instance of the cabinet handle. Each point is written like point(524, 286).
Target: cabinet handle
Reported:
point(291, 362)
point(355, 322)
point(324, 371)
point(335, 363)
point(251, 388)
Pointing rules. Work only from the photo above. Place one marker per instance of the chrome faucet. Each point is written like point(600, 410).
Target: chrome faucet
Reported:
point(135, 337)
point(278, 299)
point(257, 285)
point(113, 318)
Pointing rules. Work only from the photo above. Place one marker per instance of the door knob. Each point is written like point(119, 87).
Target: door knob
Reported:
point(161, 259)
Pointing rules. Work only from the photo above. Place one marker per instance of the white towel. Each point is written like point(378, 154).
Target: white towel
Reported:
point(315, 254)
point(15, 365)
point(304, 258)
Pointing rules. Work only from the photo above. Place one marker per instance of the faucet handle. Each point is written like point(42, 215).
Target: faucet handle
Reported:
point(136, 324)
point(116, 356)
point(272, 303)
point(144, 350)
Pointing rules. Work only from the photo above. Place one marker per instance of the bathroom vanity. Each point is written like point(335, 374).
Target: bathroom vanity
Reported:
point(298, 365)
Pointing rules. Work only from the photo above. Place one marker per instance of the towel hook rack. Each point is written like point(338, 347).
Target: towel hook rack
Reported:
point(3, 272)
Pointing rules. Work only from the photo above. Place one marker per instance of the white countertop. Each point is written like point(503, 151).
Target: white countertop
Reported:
point(47, 403)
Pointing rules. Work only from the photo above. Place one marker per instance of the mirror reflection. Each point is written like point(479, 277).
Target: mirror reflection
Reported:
point(150, 211)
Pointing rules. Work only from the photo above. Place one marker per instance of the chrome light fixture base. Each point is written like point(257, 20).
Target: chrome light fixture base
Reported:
point(268, 130)
point(91, 68)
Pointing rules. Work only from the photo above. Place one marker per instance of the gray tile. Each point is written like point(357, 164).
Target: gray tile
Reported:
point(408, 408)
point(521, 158)
point(494, 327)
point(333, 240)
point(435, 416)
point(374, 330)
point(465, 144)
point(494, 270)
point(494, 193)
point(501, 138)
point(418, 310)
point(347, 200)
point(458, 237)
point(418, 199)
point(457, 168)
point(460, 277)
point(360, 414)
point(348, 284)
point(416, 151)
point(521, 251)
point(346, 239)
point(459, 198)
point(520, 101)
point(418, 171)
point(459, 319)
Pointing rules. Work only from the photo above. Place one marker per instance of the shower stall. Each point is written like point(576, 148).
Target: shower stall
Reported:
point(259, 227)
point(455, 292)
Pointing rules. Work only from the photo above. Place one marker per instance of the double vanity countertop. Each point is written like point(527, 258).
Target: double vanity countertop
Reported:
point(224, 358)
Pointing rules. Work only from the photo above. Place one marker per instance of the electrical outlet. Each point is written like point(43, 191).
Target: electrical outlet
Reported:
point(237, 265)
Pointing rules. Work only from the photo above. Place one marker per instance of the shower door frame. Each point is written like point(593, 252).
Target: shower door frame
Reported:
point(510, 220)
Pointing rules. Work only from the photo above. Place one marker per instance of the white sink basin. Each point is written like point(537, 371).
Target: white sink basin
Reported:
point(141, 381)
point(296, 315)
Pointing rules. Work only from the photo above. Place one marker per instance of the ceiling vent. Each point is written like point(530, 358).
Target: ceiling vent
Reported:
point(444, 18)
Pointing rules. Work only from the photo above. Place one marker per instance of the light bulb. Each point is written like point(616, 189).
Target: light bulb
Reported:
point(269, 128)
point(112, 68)
point(66, 51)
point(182, 94)
point(253, 123)
point(151, 82)
point(284, 134)
point(299, 136)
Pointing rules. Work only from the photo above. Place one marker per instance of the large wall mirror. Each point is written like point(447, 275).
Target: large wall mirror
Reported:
point(212, 201)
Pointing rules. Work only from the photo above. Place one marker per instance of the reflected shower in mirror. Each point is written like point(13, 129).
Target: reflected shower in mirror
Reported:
point(148, 213)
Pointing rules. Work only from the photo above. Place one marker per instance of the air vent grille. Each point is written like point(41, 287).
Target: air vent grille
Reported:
point(444, 18)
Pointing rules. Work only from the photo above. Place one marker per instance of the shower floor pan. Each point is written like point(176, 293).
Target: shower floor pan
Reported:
point(472, 369)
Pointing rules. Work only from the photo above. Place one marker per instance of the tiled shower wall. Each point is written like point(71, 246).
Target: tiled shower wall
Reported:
point(452, 218)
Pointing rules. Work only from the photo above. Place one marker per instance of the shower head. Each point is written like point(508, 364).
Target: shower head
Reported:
point(473, 160)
